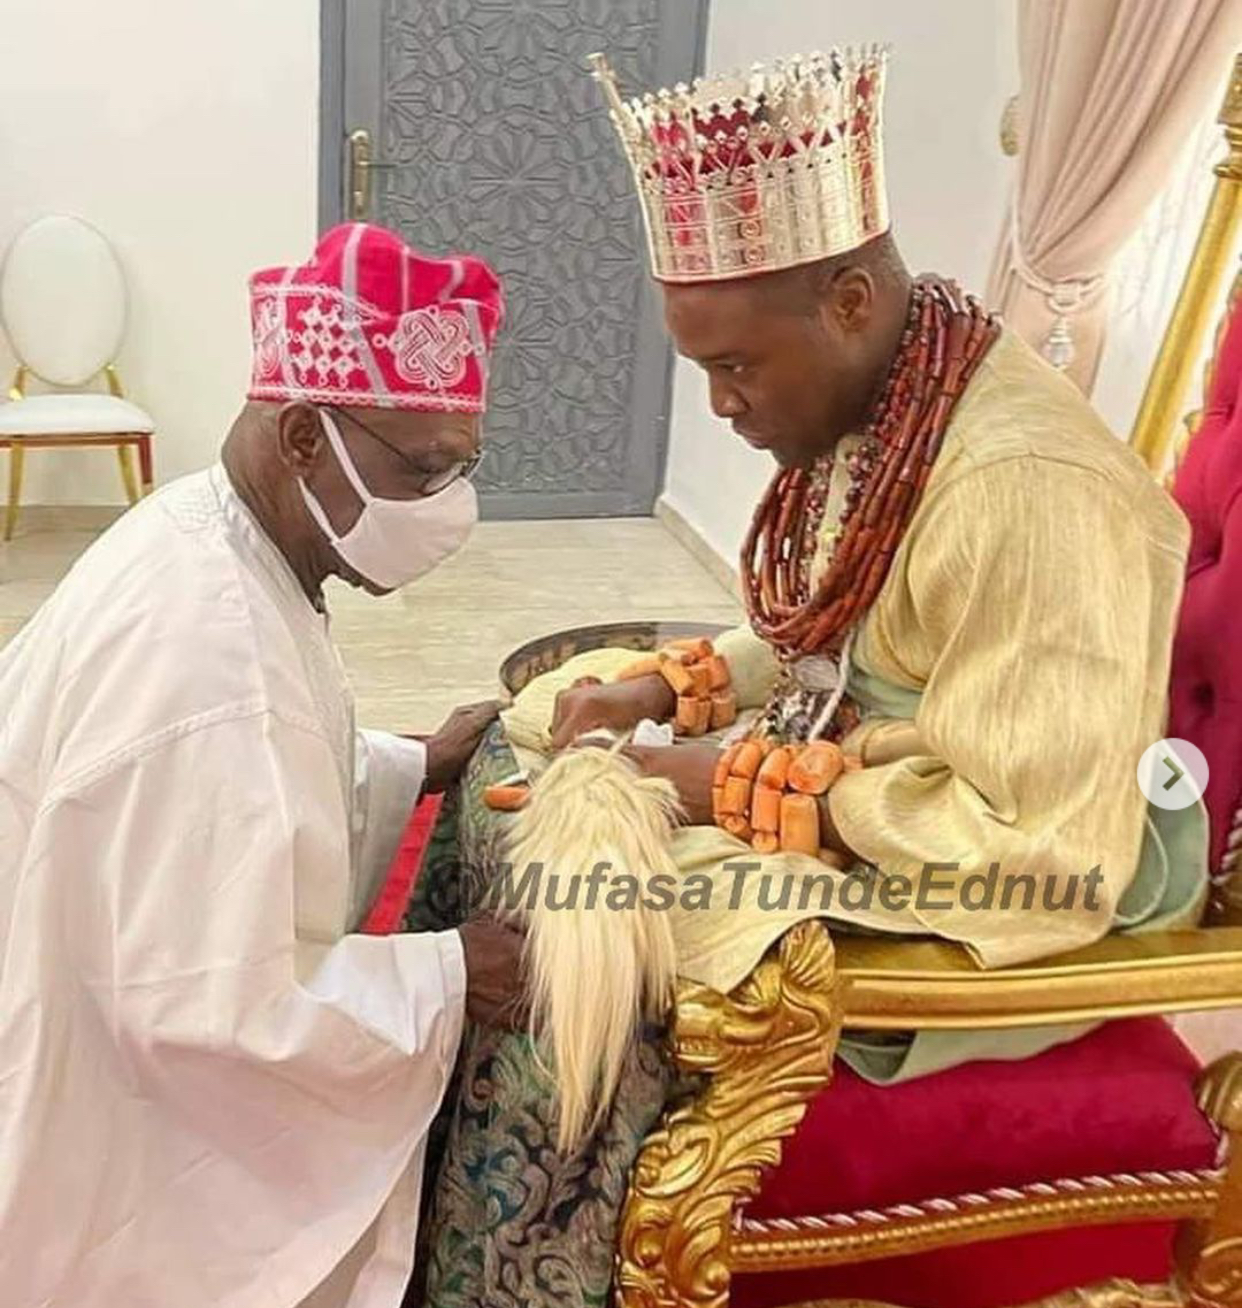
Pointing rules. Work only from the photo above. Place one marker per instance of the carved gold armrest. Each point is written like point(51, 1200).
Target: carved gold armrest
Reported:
point(768, 1049)
point(904, 986)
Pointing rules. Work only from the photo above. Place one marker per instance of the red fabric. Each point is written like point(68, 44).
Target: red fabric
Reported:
point(1206, 684)
point(370, 321)
point(390, 904)
point(1119, 1099)
point(992, 1274)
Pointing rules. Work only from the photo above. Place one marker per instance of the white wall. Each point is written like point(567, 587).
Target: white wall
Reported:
point(187, 131)
point(953, 66)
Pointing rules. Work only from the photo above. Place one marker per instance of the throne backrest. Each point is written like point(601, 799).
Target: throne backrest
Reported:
point(1206, 683)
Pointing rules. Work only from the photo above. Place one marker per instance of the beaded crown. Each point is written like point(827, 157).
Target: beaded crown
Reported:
point(749, 172)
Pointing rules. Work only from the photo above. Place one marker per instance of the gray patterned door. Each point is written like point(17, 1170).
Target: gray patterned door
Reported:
point(497, 143)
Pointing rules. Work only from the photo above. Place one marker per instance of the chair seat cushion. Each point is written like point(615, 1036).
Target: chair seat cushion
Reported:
point(72, 415)
point(1117, 1101)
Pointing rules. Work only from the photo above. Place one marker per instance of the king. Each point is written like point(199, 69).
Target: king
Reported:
point(957, 572)
point(961, 591)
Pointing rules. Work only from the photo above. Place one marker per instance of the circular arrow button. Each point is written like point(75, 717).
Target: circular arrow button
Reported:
point(1173, 774)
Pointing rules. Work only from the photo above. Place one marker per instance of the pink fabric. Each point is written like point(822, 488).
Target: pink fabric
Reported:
point(1110, 91)
point(1206, 688)
point(371, 322)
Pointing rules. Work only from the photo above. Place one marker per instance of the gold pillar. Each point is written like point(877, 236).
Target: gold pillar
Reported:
point(1183, 339)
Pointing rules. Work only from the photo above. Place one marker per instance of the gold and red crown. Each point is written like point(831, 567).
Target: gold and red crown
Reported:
point(746, 173)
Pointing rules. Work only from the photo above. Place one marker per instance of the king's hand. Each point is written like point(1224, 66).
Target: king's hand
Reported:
point(689, 767)
point(618, 706)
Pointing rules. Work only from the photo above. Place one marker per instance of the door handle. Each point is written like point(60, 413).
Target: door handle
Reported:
point(362, 163)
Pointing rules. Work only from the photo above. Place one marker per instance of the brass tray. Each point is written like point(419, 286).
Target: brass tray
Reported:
point(548, 652)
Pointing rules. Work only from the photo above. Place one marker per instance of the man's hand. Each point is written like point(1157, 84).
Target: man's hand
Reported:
point(689, 767)
point(830, 839)
point(692, 768)
point(495, 982)
point(449, 750)
point(618, 706)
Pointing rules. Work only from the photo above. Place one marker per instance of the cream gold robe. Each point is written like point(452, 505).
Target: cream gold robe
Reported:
point(1028, 618)
point(1016, 663)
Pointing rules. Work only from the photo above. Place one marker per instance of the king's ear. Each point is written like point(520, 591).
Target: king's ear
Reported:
point(299, 434)
point(851, 298)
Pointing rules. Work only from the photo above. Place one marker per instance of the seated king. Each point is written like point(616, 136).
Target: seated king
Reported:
point(961, 591)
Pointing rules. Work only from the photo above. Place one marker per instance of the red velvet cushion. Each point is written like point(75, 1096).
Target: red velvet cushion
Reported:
point(1206, 682)
point(1120, 1099)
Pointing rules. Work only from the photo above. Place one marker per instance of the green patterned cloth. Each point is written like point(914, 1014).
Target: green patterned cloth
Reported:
point(508, 1221)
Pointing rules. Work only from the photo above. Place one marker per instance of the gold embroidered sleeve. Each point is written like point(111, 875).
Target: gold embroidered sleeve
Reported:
point(1035, 609)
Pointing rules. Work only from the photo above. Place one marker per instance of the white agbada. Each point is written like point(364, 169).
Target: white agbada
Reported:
point(210, 1093)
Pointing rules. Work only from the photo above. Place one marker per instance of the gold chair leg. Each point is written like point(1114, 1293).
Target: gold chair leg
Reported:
point(125, 457)
point(144, 465)
point(1209, 1253)
point(767, 1049)
point(17, 457)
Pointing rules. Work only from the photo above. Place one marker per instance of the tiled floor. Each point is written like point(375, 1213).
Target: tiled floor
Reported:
point(412, 656)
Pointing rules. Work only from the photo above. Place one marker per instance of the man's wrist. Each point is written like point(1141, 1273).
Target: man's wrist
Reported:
point(661, 698)
point(829, 835)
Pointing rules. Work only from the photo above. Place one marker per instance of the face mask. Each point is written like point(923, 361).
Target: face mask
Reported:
point(395, 541)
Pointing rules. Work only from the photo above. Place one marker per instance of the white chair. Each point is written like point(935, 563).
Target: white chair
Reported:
point(63, 307)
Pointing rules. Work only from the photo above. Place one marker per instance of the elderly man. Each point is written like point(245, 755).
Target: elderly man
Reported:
point(211, 1092)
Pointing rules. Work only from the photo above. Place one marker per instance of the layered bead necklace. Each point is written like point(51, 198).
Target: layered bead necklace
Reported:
point(945, 338)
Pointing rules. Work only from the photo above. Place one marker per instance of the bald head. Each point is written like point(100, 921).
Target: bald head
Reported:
point(801, 289)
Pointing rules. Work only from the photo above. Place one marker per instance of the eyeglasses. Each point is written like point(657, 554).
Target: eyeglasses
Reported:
point(431, 482)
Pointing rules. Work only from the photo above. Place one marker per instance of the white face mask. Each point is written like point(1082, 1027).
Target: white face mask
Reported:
point(395, 541)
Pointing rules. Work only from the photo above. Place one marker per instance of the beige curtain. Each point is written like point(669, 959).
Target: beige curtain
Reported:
point(1109, 91)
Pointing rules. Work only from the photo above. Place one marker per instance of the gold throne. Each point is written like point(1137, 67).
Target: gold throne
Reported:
point(693, 1232)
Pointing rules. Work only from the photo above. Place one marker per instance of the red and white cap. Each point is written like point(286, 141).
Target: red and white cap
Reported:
point(371, 322)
